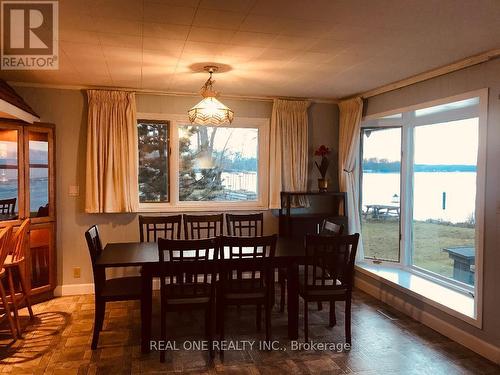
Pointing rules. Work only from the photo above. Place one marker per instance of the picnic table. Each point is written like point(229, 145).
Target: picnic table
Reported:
point(382, 210)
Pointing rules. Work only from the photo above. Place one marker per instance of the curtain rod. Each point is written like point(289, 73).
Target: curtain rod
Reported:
point(166, 93)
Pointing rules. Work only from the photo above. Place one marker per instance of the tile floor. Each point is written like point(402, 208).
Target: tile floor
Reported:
point(58, 342)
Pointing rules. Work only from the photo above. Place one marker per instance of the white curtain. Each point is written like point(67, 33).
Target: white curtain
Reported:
point(351, 112)
point(111, 177)
point(288, 150)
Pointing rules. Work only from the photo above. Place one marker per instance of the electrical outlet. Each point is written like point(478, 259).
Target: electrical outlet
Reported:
point(76, 272)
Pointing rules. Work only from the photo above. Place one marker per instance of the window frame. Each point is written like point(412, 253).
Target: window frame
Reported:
point(174, 205)
point(408, 123)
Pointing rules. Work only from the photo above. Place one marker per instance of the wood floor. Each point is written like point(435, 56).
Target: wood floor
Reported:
point(58, 342)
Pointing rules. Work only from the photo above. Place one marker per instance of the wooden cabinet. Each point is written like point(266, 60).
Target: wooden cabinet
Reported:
point(297, 222)
point(27, 190)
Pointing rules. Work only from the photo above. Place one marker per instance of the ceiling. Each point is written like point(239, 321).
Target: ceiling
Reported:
point(313, 48)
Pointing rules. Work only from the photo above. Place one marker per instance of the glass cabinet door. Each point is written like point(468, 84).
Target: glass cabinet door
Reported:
point(39, 193)
point(11, 180)
point(41, 257)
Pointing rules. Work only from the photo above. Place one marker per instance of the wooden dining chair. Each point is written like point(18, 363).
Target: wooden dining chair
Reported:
point(192, 289)
point(153, 227)
point(249, 225)
point(329, 275)
point(15, 267)
point(111, 290)
point(5, 238)
point(327, 228)
point(197, 227)
point(8, 206)
point(249, 280)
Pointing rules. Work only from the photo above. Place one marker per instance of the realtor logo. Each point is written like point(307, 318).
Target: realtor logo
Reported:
point(30, 35)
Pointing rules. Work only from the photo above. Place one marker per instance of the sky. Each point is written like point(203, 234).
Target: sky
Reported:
point(454, 142)
point(244, 140)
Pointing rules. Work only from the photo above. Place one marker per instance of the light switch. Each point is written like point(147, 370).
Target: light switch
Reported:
point(74, 190)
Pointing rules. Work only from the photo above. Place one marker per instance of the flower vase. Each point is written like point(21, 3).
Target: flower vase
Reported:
point(322, 184)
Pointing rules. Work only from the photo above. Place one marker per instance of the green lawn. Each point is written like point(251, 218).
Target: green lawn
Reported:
point(380, 240)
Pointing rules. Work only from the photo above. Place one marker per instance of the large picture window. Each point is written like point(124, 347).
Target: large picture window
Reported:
point(185, 166)
point(422, 190)
point(218, 164)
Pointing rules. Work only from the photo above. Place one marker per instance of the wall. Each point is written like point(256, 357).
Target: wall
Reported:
point(67, 109)
point(472, 78)
point(319, 134)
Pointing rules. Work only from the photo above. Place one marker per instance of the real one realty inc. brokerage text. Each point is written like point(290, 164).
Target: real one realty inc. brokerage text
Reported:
point(239, 345)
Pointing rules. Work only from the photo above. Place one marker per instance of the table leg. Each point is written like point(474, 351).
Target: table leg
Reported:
point(146, 308)
point(293, 300)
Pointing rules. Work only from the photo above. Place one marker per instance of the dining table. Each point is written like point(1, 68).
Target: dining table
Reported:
point(290, 253)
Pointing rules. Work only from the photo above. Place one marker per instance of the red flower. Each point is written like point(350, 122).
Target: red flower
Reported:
point(322, 151)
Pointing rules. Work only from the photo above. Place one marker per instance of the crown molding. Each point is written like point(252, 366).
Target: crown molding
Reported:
point(424, 76)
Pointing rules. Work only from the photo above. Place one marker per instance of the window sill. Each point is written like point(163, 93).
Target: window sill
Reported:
point(204, 207)
point(450, 301)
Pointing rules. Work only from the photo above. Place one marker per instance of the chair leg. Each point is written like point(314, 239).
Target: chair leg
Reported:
point(333, 318)
point(217, 315)
point(220, 315)
point(320, 305)
point(306, 327)
point(13, 300)
point(282, 282)
point(26, 291)
point(348, 320)
point(268, 307)
point(7, 311)
point(163, 322)
point(208, 329)
point(259, 318)
point(100, 308)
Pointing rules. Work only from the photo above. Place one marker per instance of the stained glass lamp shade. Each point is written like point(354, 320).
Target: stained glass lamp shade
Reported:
point(210, 111)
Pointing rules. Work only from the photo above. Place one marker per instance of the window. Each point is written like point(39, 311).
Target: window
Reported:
point(381, 182)
point(203, 167)
point(38, 145)
point(9, 174)
point(422, 190)
point(218, 164)
point(153, 161)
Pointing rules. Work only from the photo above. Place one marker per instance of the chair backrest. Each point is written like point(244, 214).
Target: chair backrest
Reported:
point(18, 243)
point(245, 225)
point(5, 241)
point(329, 261)
point(95, 249)
point(153, 227)
point(193, 254)
point(93, 243)
point(7, 206)
point(197, 227)
point(330, 228)
point(43, 211)
point(256, 251)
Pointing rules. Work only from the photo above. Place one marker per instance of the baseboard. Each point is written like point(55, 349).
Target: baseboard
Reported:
point(466, 339)
point(80, 289)
point(73, 289)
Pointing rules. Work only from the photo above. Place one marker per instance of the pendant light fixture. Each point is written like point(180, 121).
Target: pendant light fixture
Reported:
point(210, 111)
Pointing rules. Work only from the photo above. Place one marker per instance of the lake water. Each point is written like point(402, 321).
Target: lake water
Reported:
point(460, 189)
point(39, 195)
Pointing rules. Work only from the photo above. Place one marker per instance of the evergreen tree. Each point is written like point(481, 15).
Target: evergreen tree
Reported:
point(153, 169)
